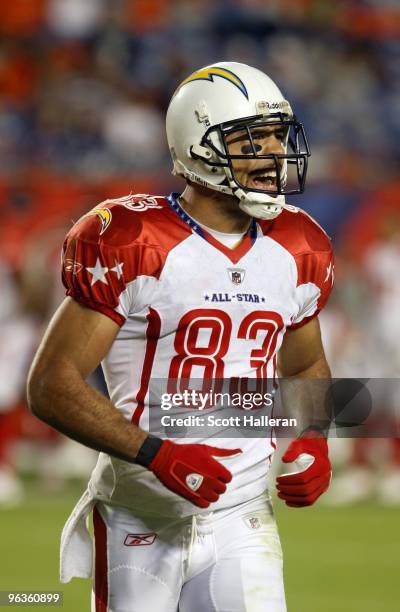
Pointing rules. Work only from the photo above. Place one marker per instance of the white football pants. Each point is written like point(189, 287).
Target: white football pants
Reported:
point(224, 561)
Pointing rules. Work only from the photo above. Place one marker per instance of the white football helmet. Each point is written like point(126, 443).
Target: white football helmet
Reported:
point(229, 102)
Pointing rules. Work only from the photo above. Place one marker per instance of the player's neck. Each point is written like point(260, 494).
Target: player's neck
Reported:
point(215, 210)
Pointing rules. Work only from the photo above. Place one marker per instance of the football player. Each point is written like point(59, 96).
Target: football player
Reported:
point(222, 281)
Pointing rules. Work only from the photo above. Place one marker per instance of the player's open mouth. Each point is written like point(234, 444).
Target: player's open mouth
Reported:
point(263, 179)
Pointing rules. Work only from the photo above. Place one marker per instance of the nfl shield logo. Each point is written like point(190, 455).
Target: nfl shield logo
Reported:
point(194, 481)
point(236, 275)
point(253, 522)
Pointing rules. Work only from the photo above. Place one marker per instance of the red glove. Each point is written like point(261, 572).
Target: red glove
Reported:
point(191, 471)
point(303, 488)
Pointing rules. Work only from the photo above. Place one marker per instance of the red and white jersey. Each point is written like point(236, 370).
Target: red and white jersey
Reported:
point(188, 306)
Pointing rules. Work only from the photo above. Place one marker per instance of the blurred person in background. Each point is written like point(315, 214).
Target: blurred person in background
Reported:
point(369, 300)
point(19, 336)
point(30, 291)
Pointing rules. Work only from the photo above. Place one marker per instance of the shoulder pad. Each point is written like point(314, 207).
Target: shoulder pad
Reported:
point(112, 222)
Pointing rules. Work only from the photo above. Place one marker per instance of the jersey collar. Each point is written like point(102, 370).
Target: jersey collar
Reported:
point(233, 254)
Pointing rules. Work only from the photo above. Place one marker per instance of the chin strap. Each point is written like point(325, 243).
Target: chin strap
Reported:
point(255, 204)
point(260, 205)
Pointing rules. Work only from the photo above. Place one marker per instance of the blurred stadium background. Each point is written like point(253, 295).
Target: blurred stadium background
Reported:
point(84, 85)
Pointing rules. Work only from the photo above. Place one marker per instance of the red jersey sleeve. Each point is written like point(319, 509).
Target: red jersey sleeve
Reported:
point(100, 265)
point(314, 284)
point(313, 255)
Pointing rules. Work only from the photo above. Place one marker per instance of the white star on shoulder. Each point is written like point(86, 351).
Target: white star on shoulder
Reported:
point(98, 273)
point(118, 268)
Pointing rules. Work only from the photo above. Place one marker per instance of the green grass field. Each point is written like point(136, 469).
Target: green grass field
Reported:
point(345, 560)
